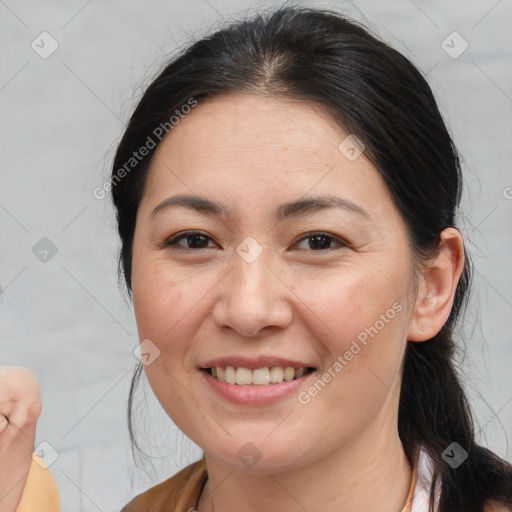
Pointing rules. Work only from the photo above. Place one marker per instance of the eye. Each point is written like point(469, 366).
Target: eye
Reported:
point(323, 241)
point(196, 239)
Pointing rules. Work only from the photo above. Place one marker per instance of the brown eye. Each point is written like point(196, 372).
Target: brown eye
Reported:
point(322, 241)
point(193, 240)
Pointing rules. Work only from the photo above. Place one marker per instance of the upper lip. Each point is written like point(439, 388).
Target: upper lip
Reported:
point(252, 363)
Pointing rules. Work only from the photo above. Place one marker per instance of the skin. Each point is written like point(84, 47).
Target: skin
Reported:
point(20, 402)
point(253, 153)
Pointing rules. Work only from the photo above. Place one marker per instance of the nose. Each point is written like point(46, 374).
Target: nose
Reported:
point(251, 298)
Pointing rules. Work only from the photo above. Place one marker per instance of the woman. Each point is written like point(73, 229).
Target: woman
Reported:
point(286, 193)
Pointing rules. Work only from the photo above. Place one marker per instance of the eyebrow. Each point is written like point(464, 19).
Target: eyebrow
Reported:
point(284, 211)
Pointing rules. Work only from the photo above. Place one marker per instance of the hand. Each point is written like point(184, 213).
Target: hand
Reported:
point(20, 408)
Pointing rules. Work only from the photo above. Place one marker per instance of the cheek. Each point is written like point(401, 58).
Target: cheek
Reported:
point(161, 297)
point(156, 305)
point(164, 311)
point(363, 318)
point(169, 310)
point(355, 305)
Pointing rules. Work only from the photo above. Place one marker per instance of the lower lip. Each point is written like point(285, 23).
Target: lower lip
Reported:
point(254, 394)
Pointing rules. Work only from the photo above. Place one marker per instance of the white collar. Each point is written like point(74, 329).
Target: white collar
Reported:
point(420, 501)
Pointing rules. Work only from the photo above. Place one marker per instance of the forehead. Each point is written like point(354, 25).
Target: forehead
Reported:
point(252, 122)
point(240, 145)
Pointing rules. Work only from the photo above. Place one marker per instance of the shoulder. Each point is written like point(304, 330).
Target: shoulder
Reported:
point(181, 491)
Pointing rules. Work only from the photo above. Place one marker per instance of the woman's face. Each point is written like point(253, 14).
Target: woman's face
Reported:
point(257, 290)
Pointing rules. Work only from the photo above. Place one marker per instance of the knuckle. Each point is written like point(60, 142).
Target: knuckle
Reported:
point(33, 411)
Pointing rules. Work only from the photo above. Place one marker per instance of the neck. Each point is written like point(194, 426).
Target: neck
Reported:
point(371, 472)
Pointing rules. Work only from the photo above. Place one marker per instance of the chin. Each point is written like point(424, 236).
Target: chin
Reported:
point(255, 457)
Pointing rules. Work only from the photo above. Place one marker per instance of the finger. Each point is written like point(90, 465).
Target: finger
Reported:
point(16, 447)
point(4, 423)
point(21, 426)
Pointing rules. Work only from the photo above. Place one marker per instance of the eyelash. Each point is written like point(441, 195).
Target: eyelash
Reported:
point(173, 241)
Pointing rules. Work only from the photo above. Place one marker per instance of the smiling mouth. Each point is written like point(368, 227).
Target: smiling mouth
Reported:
point(259, 376)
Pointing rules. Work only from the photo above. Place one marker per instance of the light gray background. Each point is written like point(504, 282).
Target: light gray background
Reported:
point(60, 118)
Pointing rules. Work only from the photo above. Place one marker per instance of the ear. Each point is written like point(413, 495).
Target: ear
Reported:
point(437, 288)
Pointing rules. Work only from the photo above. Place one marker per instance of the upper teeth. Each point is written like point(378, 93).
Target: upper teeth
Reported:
point(259, 376)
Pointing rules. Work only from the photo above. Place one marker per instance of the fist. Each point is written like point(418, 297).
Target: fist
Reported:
point(20, 400)
point(20, 408)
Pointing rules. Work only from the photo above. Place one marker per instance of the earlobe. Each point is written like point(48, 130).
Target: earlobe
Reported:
point(436, 292)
